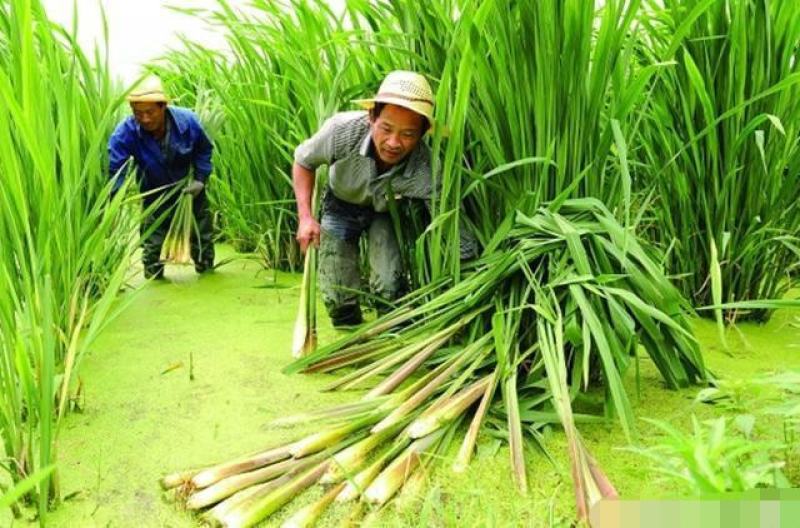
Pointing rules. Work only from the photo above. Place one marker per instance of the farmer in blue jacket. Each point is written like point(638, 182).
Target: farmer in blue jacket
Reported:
point(165, 142)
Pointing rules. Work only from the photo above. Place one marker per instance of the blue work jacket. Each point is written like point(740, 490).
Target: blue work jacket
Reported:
point(188, 147)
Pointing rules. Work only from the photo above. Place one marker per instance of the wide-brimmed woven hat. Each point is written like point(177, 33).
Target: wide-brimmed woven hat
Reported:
point(407, 89)
point(149, 90)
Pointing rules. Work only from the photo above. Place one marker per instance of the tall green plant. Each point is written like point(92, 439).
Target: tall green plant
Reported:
point(530, 92)
point(65, 246)
point(712, 459)
point(720, 146)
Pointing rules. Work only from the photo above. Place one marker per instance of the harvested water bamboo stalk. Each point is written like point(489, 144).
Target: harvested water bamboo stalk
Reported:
point(307, 516)
point(230, 485)
point(256, 509)
point(304, 340)
point(392, 478)
point(216, 473)
point(177, 243)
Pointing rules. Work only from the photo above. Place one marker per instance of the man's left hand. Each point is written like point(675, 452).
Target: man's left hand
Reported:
point(194, 188)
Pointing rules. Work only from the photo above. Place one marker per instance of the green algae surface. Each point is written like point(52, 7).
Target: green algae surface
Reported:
point(190, 374)
point(187, 375)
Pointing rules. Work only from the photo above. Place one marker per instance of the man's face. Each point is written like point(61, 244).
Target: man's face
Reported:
point(150, 116)
point(395, 132)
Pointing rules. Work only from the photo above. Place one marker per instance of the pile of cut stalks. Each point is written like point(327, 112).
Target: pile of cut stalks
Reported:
point(559, 301)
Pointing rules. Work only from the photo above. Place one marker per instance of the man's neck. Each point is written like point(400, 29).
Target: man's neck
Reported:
point(160, 132)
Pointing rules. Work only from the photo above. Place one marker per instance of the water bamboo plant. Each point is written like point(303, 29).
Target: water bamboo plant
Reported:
point(720, 149)
point(66, 245)
point(562, 305)
point(177, 243)
point(304, 339)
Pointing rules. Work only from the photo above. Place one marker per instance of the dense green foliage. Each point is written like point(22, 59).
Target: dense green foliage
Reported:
point(720, 146)
point(593, 152)
point(534, 98)
point(65, 246)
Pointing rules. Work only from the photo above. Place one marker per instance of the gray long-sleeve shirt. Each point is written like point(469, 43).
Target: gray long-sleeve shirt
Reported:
point(343, 143)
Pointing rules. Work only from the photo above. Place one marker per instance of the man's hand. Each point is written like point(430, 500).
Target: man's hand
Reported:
point(307, 233)
point(194, 188)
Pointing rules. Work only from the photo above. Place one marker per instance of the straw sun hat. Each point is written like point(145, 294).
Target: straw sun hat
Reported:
point(148, 91)
point(404, 88)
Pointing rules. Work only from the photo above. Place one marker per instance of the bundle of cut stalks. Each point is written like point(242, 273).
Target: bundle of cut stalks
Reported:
point(304, 340)
point(177, 244)
point(561, 300)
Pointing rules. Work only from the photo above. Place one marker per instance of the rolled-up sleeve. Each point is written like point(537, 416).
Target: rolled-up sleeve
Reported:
point(319, 149)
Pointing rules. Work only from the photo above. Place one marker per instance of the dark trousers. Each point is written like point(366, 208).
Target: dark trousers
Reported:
point(154, 230)
point(343, 224)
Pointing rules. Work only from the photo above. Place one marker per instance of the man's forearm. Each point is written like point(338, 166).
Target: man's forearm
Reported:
point(303, 184)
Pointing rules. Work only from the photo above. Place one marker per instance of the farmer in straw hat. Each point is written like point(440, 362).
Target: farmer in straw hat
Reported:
point(373, 157)
point(165, 142)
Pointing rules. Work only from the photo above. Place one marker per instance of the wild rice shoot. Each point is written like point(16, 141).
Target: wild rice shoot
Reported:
point(177, 248)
